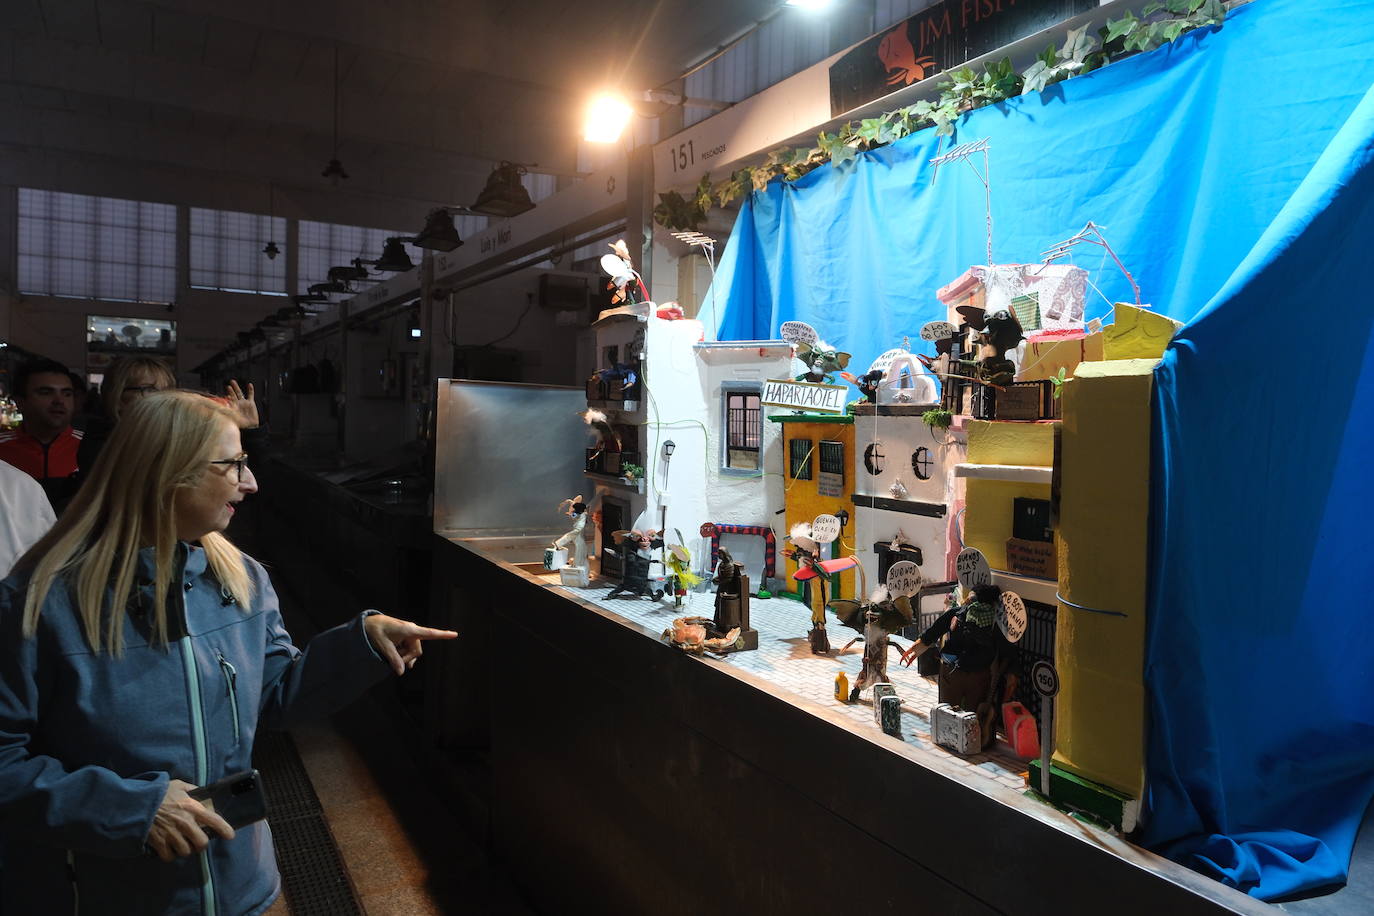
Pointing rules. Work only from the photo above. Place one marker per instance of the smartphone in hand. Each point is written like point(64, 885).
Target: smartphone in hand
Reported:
point(237, 798)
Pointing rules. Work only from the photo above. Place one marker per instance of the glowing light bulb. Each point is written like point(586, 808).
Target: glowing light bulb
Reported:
point(607, 116)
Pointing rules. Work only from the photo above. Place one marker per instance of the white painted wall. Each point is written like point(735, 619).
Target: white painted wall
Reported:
point(900, 437)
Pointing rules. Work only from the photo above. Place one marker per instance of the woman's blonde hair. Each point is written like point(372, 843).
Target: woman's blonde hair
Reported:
point(164, 443)
point(112, 387)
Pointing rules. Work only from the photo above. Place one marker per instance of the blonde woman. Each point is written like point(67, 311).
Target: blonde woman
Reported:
point(139, 653)
point(130, 378)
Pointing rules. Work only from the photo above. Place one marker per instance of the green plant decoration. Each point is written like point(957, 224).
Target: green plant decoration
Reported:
point(963, 90)
point(1058, 381)
point(631, 471)
point(938, 419)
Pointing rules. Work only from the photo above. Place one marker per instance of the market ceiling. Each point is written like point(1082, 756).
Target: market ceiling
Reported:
point(431, 92)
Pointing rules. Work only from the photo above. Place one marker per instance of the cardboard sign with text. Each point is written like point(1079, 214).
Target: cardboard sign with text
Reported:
point(804, 396)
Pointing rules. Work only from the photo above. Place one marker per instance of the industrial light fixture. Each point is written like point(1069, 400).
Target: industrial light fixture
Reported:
point(439, 233)
point(334, 171)
point(609, 113)
point(394, 257)
point(311, 296)
point(607, 117)
point(271, 249)
point(505, 194)
point(348, 273)
point(329, 286)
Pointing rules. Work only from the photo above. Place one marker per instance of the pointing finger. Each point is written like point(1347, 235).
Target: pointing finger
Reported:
point(430, 633)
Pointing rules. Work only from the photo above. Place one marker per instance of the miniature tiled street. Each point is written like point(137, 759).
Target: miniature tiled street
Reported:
point(785, 659)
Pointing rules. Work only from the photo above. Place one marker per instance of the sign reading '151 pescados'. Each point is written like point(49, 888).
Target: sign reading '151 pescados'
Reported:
point(804, 396)
point(938, 38)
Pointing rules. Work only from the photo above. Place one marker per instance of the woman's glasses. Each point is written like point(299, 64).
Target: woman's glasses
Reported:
point(141, 390)
point(239, 464)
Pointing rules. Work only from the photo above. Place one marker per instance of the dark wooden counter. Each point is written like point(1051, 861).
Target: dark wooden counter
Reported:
point(628, 777)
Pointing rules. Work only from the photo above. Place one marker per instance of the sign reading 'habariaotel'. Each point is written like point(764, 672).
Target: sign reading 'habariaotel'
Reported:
point(804, 396)
point(940, 37)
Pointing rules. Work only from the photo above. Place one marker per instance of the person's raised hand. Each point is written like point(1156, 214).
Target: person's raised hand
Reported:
point(242, 404)
point(180, 824)
point(399, 642)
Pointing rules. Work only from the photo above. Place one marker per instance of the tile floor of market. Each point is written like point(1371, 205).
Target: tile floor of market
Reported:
point(784, 657)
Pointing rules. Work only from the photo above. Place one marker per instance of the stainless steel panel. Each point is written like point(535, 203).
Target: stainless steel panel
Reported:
point(506, 455)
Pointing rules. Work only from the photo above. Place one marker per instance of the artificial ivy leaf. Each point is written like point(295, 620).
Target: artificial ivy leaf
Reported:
point(760, 177)
point(1174, 28)
point(903, 124)
point(1036, 77)
point(869, 129)
point(1001, 80)
point(1078, 45)
point(1151, 8)
point(1119, 27)
point(1213, 11)
point(842, 154)
point(1178, 7)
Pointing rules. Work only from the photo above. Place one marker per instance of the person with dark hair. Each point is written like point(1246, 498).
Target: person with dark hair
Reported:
point(45, 446)
point(973, 658)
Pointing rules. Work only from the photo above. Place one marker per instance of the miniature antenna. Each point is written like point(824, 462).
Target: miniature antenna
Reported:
point(708, 248)
point(962, 152)
point(1092, 234)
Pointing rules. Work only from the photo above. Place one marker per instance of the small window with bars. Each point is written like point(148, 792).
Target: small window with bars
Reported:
point(832, 457)
point(743, 430)
point(799, 458)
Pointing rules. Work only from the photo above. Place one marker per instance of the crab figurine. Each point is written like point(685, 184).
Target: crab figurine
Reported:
point(699, 634)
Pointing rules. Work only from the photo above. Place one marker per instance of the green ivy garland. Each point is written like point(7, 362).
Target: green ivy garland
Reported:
point(962, 91)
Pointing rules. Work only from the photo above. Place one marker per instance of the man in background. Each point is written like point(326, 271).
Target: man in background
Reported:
point(45, 445)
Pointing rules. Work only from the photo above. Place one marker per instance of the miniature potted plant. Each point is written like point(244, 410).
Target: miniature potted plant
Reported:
point(631, 471)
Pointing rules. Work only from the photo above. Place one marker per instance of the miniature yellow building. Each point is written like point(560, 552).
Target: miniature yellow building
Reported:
point(818, 469)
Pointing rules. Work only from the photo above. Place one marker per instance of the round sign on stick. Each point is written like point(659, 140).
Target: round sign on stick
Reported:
point(1011, 616)
point(937, 330)
point(903, 579)
point(795, 332)
point(1044, 679)
point(825, 529)
point(972, 568)
point(619, 271)
point(707, 530)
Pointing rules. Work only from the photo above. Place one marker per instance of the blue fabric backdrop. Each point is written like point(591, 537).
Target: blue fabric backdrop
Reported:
point(1261, 642)
point(1228, 171)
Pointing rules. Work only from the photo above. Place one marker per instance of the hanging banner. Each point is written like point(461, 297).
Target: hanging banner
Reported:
point(938, 38)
